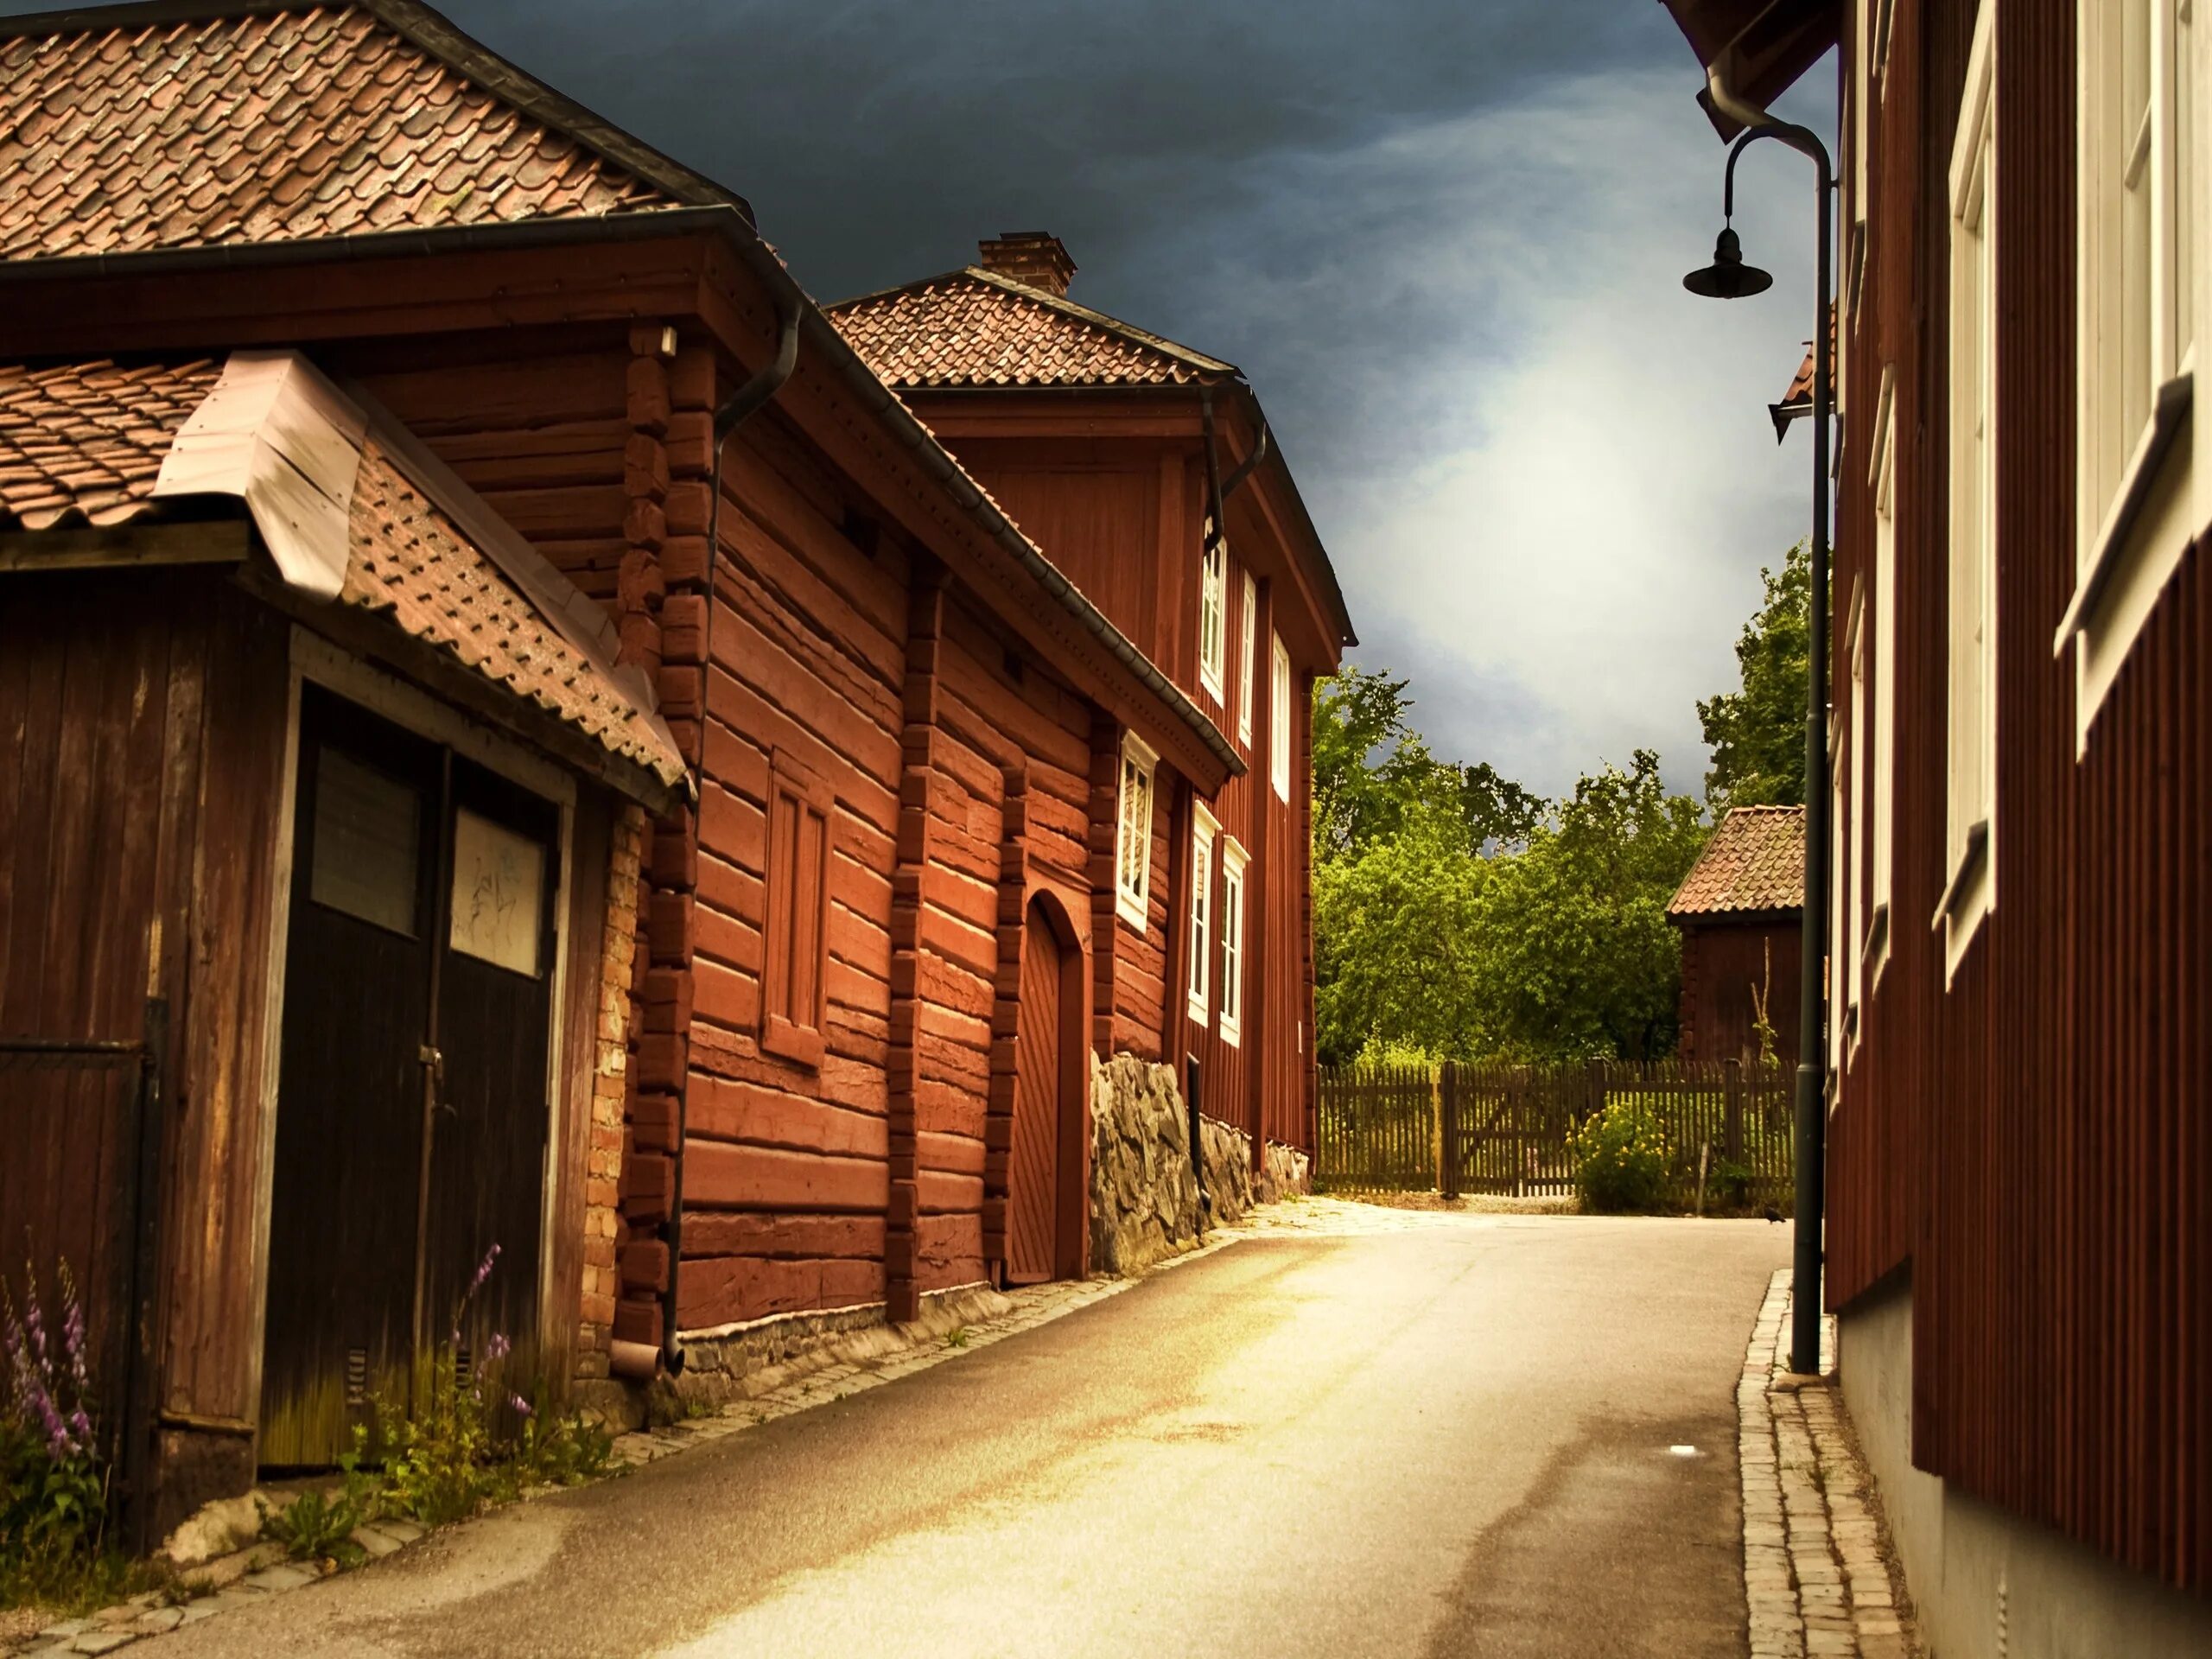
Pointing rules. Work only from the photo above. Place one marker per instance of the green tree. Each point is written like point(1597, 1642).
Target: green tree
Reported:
point(1757, 734)
point(1373, 771)
point(1574, 953)
point(1397, 931)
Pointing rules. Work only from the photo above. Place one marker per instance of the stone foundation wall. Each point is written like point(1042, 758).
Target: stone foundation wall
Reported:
point(1143, 1204)
point(1229, 1171)
point(1283, 1171)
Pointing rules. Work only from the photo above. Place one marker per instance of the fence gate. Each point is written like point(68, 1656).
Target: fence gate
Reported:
point(81, 1186)
point(1505, 1130)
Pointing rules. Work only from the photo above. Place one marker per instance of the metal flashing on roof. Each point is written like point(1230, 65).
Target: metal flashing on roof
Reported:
point(277, 436)
point(352, 510)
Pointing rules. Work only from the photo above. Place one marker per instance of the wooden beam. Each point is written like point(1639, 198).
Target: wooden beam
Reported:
point(217, 541)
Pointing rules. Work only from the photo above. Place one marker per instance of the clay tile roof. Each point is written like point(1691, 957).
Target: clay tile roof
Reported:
point(1755, 862)
point(975, 327)
point(84, 442)
point(126, 134)
point(410, 561)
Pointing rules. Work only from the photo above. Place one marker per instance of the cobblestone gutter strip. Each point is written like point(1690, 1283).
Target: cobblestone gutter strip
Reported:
point(1816, 1575)
point(868, 1359)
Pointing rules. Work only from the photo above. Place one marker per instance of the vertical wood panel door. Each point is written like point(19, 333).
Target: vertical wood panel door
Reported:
point(1033, 1201)
point(412, 1091)
point(488, 1167)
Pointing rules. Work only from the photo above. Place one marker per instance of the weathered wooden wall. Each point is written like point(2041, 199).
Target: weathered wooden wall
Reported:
point(2028, 1143)
point(1727, 966)
point(141, 745)
point(1124, 517)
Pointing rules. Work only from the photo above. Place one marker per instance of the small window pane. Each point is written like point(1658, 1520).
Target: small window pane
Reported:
point(498, 894)
point(367, 838)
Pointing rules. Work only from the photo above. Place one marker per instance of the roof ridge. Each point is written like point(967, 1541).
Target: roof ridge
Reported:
point(1189, 356)
point(434, 35)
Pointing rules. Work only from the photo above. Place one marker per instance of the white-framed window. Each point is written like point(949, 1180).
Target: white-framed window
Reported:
point(2141, 161)
point(1278, 718)
point(1852, 941)
point(1204, 827)
point(1249, 653)
point(1837, 968)
point(1970, 778)
point(1233, 861)
point(1881, 743)
point(1133, 838)
point(1213, 606)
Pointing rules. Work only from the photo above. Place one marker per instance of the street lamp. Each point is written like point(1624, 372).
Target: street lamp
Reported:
point(1728, 278)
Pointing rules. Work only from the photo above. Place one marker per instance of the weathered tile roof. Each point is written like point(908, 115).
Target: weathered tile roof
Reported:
point(83, 441)
point(134, 134)
point(1755, 862)
point(975, 327)
point(411, 561)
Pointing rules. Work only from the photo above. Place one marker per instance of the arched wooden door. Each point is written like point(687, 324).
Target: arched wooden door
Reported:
point(1033, 1199)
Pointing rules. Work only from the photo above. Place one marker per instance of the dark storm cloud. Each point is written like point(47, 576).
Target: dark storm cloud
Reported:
point(878, 140)
point(1444, 240)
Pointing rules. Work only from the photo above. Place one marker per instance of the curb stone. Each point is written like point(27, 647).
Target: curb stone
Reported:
point(1816, 1579)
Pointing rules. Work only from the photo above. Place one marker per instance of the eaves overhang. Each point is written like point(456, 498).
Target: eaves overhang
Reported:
point(820, 339)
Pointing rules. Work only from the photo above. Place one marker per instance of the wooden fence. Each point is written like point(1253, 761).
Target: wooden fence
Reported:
point(1503, 1130)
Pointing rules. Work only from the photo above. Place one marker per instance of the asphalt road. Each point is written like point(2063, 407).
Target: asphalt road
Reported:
point(1453, 1440)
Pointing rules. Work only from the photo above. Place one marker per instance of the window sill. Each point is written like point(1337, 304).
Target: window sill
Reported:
point(786, 1040)
point(1231, 1035)
point(1967, 898)
point(1196, 1008)
point(1133, 910)
point(2170, 419)
point(1876, 950)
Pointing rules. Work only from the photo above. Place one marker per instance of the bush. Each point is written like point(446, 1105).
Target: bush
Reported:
point(1620, 1158)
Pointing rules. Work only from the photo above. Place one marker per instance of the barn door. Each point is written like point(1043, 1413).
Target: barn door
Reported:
point(411, 1091)
point(487, 1171)
point(1033, 1201)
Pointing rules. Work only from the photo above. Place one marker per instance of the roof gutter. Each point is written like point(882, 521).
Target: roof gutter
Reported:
point(748, 400)
point(821, 334)
point(1726, 99)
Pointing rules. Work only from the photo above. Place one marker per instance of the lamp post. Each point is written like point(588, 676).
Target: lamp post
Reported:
point(1728, 278)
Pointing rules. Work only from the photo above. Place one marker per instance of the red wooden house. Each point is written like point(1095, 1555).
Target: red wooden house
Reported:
point(2019, 1241)
point(1738, 911)
point(1121, 452)
point(814, 763)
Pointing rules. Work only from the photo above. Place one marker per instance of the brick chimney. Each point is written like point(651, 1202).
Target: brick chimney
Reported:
point(1034, 257)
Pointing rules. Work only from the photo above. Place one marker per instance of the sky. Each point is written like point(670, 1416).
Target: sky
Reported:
point(1444, 241)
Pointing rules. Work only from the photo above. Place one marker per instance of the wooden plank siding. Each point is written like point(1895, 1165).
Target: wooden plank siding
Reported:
point(2027, 1144)
point(1123, 515)
point(1729, 965)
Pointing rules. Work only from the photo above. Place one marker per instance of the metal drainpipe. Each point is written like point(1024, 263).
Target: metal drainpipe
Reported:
point(1811, 1150)
point(746, 401)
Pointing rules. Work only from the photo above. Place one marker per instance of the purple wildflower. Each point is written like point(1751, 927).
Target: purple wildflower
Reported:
point(73, 1332)
point(522, 1407)
point(483, 1269)
point(497, 1348)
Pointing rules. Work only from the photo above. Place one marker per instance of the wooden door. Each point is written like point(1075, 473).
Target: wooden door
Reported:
point(412, 1111)
point(349, 1120)
point(488, 1168)
point(1034, 1202)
